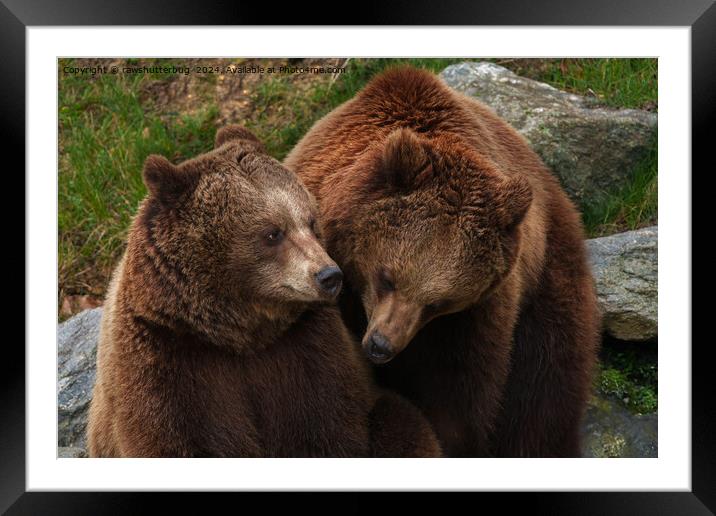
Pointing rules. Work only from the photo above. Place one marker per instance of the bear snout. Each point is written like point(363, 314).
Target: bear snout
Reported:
point(379, 349)
point(330, 280)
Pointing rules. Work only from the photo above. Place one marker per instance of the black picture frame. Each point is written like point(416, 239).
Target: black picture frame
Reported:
point(17, 15)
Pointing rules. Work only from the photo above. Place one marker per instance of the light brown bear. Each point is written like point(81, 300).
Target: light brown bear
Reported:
point(465, 266)
point(219, 337)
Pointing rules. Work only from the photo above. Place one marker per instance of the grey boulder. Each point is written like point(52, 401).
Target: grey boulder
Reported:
point(625, 268)
point(611, 430)
point(71, 452)
point(77, 356)
point(593, 150)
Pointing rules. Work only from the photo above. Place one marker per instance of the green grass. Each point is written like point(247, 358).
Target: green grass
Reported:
point(109, 124)
point(630, 83)
point(105, 135)
point(631, 207)
point(629, 373)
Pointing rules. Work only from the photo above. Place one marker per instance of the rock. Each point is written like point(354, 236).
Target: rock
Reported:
point(70, 452)
point(592, 149)
point(625, 270)
point(610, 430)
point(77, 354)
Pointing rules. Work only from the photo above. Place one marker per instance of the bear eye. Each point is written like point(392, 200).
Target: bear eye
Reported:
point(312, 225)
point(385, 281)
point(432, 307)
point(436, 306)
point(274, 236)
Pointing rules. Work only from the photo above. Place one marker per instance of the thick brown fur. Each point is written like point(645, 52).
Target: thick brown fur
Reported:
point(215, 340)
point(463, 253)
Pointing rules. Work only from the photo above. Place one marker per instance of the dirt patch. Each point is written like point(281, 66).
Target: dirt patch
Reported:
point(169, 95)
point(74, 304)
point(232, 93)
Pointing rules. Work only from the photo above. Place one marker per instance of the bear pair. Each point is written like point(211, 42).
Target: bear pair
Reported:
point(466, 280)
point(219, 337)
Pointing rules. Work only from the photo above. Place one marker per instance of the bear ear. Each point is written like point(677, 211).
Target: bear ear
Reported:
point(235, 132)
point(165, 181)
point(405, 163)
point(512, 200)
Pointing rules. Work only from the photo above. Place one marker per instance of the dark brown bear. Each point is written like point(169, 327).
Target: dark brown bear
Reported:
point(218, 335)
point(465, 264)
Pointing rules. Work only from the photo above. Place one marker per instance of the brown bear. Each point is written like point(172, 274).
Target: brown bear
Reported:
point(220, 335)
point(466, 272)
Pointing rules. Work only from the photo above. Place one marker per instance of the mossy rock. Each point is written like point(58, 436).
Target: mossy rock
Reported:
point(611, 430)
point(591, 148)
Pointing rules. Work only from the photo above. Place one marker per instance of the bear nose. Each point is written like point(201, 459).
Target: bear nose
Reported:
point(329, 279)
point(379, 350)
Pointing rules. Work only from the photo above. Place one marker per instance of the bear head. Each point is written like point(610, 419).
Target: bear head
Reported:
point(235, 233)
point(434, 229)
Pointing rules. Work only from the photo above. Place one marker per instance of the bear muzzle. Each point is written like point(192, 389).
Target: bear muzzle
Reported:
point(379, 349)
point(394, 321)
point(329, 280)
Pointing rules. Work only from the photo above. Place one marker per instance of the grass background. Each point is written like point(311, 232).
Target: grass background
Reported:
point(108, 124)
